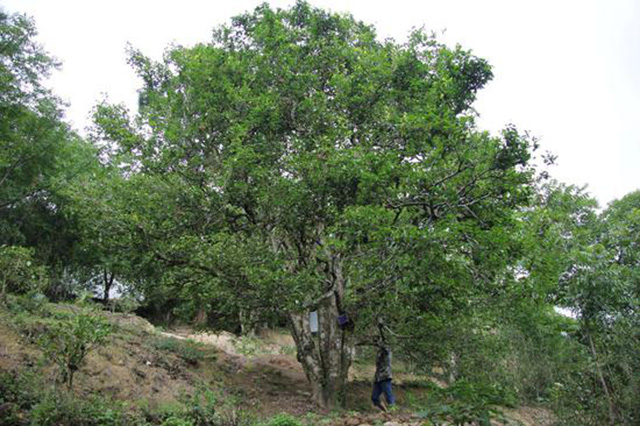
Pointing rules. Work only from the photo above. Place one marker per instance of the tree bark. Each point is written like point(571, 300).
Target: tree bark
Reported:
point(453, 368)
point(108, 283)
point(201, 317)
point(326, 356)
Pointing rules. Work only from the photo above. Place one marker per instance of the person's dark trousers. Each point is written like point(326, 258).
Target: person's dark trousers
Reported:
point(383, 386)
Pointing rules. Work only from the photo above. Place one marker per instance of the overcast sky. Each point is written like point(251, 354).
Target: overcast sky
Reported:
point(568, 71)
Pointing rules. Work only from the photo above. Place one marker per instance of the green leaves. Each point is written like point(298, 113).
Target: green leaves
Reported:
point(310, 158)
point(19, 272)
point(68, 341)
point(39, 154)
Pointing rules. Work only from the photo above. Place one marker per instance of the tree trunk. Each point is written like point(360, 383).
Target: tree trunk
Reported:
point(201, 317)
point(108, 283)
point(453, 368)
point(325, 356)
point(248, 324)
point(603, 382)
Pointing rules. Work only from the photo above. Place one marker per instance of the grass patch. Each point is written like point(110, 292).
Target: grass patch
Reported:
point(191, 352)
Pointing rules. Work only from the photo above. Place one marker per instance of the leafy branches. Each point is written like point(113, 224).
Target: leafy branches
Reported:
point(68, 341)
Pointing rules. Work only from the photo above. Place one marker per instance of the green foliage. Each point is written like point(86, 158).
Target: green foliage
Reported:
point(189, 351)
point(19, 272)
point(61, 408)
point(297, 153)
point(203, 408)
point(177, 421)
point(32, 303)
point(282, 419)
point(18, 393)
point(105, 249)
point(68, 341)
point(30, 129)
point(248, 345)
point(600, 285)
point(289, 350)
point(39, 155)
point(464, 403)
point(26, 399)
point(126, 304)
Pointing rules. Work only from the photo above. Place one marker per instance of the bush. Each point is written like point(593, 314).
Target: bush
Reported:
point(18, 272)
point(125, 304)
point(18, 393)
point(26, 399)
point(200, 409)
point(32, 302)
point(68, 341)
point(283, 419)
point(187, 350)
point(62, 408)
point(248, 345)
point(177, 421)
point(465, 403)
point(18, 389)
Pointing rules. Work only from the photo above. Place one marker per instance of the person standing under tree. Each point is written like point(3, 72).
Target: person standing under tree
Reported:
point(382, 378)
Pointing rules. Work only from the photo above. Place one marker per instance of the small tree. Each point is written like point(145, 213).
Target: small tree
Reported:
point(69, 341)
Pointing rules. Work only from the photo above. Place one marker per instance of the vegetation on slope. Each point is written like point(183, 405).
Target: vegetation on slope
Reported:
point(297, 163)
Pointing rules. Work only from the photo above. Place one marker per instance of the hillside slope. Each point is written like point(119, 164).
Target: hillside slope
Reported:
point(151, 369)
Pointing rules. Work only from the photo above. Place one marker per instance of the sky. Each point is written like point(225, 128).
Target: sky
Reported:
point(568, 71)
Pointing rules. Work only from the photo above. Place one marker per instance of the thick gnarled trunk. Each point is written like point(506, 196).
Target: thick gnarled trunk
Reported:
point(326, 355)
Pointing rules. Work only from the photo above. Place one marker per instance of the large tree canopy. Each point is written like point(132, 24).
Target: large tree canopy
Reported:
point(30, 127)
point(38, 152)
point(325, 170)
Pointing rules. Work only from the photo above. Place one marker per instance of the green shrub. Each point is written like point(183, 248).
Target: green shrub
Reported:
point(207, 407)
point(32, 302)
point(177, 421)
point(68, 341)
point(18, 393)
point(465, 403)
point(9, 415)
point(18, 271)
point(31, 327)
point(283, 419)
point(248, 345)
point(61, 408)
point(125, 304)
point(18, 389)
point(189, 351)
point(201, 408)
point(26, 398)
